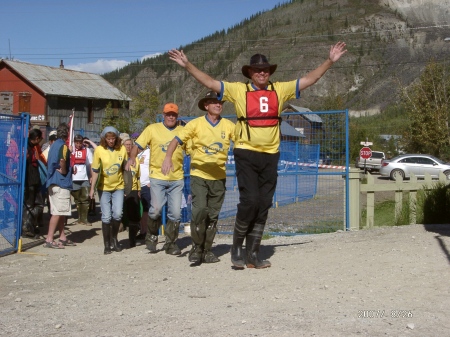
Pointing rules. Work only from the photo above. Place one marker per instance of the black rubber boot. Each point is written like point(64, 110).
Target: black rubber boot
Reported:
point(198, 238)
point(237, 257)
point(133, 229)
point(28, 225)
point(172, 229)
point(151, 239)
point(39, 209)
point(115, 224)
point(253, 241)
point(106, 230)
point(38, 212)
point(208, 255)
point(92, 207)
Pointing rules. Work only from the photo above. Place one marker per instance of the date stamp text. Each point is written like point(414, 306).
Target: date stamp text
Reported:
point(385, 314)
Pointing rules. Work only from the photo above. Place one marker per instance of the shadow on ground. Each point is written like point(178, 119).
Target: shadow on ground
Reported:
point(441, 230)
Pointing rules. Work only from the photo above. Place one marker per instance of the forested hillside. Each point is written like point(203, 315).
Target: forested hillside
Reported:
point(389, 42)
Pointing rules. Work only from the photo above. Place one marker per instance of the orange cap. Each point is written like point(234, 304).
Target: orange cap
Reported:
point(170, 107)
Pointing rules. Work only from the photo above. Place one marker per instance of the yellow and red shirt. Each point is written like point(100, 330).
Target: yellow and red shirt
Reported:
point(262, 139)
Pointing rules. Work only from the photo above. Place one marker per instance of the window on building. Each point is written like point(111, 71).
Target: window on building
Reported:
point(6, 102)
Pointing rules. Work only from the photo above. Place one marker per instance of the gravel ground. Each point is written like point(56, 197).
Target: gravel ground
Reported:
point(390, 281)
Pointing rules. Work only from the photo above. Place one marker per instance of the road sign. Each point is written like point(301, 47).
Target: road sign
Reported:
point(366, 143)
point(365, 152)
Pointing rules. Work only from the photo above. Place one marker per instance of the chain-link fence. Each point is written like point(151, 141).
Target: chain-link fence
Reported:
point(312, 177)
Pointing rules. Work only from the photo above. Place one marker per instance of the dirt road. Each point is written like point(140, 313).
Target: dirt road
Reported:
point(390, 281)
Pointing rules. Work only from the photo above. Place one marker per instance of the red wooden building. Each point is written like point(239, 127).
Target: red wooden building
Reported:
point(50, 94)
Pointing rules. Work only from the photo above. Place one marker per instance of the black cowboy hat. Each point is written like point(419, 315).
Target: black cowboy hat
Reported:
point(258, 61)
point(210, 95)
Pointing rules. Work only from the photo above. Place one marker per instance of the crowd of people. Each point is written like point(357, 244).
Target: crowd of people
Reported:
point(135, 178)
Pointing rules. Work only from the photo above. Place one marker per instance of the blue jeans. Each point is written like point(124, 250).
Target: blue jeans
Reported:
point(163, 191)
point(111, 204)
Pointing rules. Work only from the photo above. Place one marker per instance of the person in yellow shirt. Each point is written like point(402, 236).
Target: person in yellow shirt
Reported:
point(107, 167)
point(211, 137)
point(132, 201)
point(258, 105)
point(163, 188)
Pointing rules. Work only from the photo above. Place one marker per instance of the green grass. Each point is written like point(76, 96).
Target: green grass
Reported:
point(385, 214)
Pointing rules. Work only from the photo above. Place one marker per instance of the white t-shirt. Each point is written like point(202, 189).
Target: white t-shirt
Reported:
point(83, 172)
point(144, 162)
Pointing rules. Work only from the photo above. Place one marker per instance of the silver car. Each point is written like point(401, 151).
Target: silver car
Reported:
point(419, 164)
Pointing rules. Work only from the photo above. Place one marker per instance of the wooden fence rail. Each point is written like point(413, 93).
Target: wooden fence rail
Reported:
point(412, 186)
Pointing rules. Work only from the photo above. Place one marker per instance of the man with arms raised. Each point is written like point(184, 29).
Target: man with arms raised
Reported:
point(258, 107)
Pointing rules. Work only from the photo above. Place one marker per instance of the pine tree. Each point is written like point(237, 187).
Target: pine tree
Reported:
point(427, 105)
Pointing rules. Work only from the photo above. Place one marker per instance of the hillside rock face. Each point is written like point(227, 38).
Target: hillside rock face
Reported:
point(416, 35)
point(421, 11)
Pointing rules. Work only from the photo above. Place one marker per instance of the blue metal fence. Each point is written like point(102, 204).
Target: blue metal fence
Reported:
point(311, 194)
point(14, 136)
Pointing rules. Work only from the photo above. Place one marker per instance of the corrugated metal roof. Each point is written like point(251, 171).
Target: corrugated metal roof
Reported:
point(66, 82)
point(288, 130)
point(311, 117)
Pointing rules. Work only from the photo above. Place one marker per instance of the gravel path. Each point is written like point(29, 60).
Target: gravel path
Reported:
point(390, 281)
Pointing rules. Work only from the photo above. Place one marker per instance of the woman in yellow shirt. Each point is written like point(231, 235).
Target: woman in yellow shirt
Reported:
point(107, 167)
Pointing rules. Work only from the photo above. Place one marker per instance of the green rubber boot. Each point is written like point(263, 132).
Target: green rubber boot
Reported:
point(208, 255)
point(171, 232)
point(83, 207)
point(198, 238)
point(151, 238)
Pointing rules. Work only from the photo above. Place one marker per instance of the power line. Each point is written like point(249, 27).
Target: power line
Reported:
point(210, 44)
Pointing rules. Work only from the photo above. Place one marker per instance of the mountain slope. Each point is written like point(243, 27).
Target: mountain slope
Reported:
point(388, 42)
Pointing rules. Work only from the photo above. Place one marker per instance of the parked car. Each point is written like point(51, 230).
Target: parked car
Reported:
point(324, 158)
point(373, 163)
point(419, 164)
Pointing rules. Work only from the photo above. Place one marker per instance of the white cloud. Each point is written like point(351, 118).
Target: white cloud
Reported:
point(98, 67)
point(149, 56)
point(104, 66)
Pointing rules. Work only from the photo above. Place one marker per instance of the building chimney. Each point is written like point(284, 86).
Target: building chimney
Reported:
point(61, 65)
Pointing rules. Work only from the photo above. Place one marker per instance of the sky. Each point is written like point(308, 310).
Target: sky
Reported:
point(99, 36)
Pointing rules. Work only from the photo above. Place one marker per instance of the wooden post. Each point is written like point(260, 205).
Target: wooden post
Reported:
point(370, 220)
point(355, 214)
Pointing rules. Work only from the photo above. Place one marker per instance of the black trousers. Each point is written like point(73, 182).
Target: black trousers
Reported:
point(132, 208)
point(257, 181)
